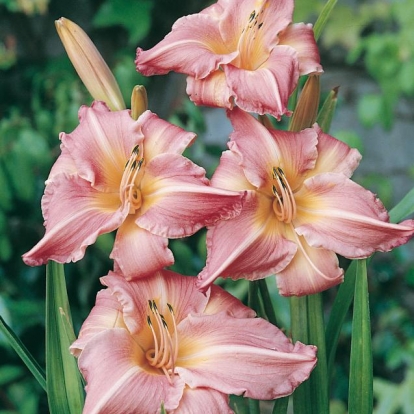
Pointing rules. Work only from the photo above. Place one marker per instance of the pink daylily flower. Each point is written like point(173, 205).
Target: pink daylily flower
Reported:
point(118, 173)
point(301, 209)
point(242, 51)
point(159, 340)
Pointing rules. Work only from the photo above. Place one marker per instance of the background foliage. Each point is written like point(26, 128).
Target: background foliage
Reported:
point(40, 95)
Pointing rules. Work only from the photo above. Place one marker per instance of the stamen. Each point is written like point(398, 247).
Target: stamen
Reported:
point(285, 205)
point(164, 352)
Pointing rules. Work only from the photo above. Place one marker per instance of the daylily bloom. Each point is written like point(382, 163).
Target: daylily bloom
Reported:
point(301, 209)
point(242, 51)
point(118, 173)
point(158, 340)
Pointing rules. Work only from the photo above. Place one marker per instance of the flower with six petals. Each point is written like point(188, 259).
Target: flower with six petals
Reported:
point(118, 173)
point(301, 208)
point(246, 51)
point(162, 341)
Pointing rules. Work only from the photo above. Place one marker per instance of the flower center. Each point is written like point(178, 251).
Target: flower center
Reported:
point(129, 188)
point(284, 205)
point(165, 348)
point(249, 47)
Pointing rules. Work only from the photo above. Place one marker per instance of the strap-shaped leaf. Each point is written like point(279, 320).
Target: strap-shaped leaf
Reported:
point(64, 386)
point(360, 398)
point(323, 18)
point(23, 353)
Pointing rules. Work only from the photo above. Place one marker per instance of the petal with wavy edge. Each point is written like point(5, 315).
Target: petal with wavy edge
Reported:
point(237, 15)
point(162, 137)
point(334, 156)
point(229, 174)
point(249, 246)
point(164, 287)
point(294, 152)
point(76, 215)
point(212, 401)
point(337, 214)
point(310, 271)
point(101, 144)
point(301, 38)
point(210, 91)
point(64, 164)
point(241, 356)
point(177, 200)
point(114, 373)
point(137, 252)
point(194, 47)
point(267, 88)
point(106, 314)
point(222, 301)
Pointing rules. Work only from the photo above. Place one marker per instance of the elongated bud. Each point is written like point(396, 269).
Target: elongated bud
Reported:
point(306, 110)
point(328, 109)
point(139, 101)
point(89, 64)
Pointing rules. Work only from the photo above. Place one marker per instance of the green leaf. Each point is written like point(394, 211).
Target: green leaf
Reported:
point(360, 399)
point(404, 208)
point(134, 16)
point(64, 386)
point(281, 405)
point(319, 376)
point(302, 397)
point(323, 18)
point(23, 353)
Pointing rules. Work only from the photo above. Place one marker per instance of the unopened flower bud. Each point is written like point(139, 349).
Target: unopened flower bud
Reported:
point(89, 64)
point(139, 101)
point(306, 110)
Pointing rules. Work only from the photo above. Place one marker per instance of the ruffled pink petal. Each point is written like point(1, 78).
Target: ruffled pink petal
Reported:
point(76, 215)
point(106, 314)
point(194, 46)
point(114, 368)
point(241, 356)
point(273, 16)
point(210, 91)
point(261, 149)
point(162, 137)
point(222, 301)
point(101, 144)
point(64, 164)
point(266, 89)
point(165, 287)
point(229, 174)
point(212, 401)
point(139, 253)
point(334, 156)
point(301, 38)
point(249, 246)
point(177, 200)
point(337, 214)
point(310, 271)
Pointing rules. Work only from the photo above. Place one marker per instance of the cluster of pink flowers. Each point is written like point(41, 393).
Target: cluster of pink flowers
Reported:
point(280, 203)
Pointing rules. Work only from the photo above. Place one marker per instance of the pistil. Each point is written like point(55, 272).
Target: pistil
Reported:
point(284, 205)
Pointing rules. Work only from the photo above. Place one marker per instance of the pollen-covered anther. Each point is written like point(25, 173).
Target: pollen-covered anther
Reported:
point(164, 352)
point(129, 187)
point(284, 205)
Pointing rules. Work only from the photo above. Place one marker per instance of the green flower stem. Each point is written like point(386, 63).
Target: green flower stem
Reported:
point(302, 397)
point(319, 376)
point(254, 406)
point(360, 399)
point(267, 302)
point(23, 353)
point(281, 405)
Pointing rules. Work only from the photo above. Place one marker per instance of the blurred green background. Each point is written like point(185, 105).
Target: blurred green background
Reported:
point(367, 48)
